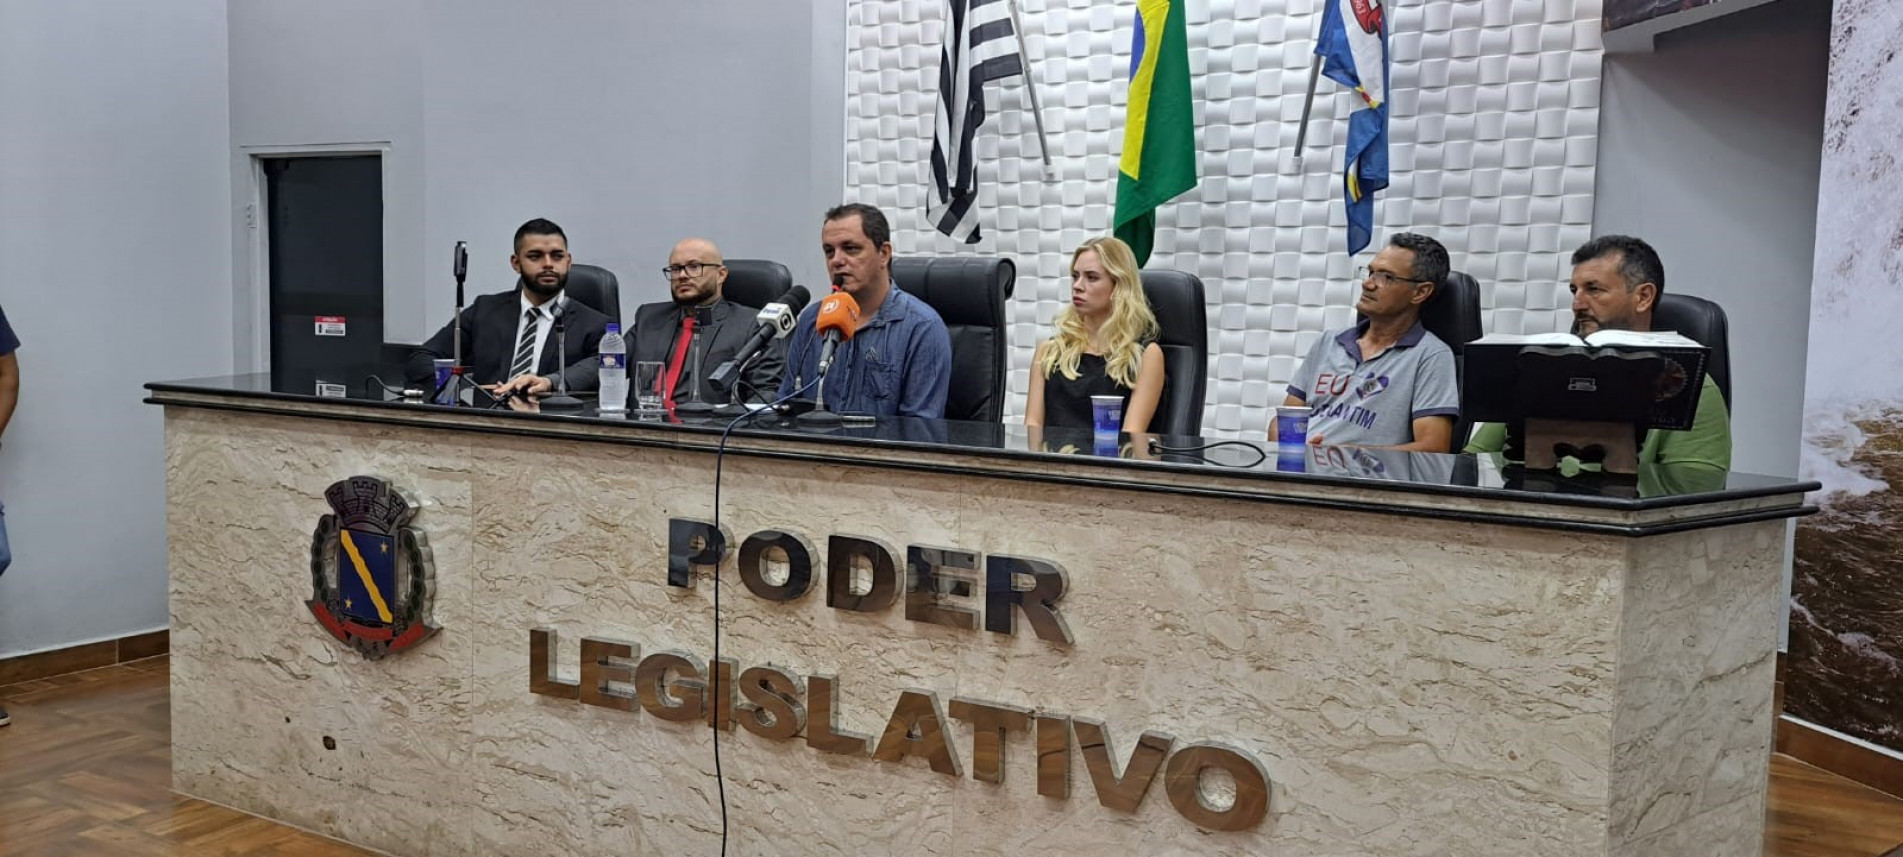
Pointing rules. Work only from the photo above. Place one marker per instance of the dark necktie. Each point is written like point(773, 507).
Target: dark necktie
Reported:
point(525, 349)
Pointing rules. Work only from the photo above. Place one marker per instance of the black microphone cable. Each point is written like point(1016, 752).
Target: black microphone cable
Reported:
point(720, 459)
point(1261, 455)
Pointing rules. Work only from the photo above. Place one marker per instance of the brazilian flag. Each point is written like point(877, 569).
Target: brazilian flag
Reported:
point(1159, 135)
point(366, 576)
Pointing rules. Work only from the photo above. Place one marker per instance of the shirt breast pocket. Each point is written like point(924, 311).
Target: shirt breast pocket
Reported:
point(881, 377)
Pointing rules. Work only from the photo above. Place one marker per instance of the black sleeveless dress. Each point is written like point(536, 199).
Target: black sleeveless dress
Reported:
point(1067, 401)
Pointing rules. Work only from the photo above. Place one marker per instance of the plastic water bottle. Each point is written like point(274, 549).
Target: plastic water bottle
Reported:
point(614, 371)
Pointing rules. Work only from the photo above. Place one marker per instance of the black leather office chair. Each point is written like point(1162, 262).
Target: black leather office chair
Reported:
point(1453, 316)
point(1453, 313)
point(969, 294)
point(596, 288)
point(756, 282)
point(1177, 299)
point(1704, 322)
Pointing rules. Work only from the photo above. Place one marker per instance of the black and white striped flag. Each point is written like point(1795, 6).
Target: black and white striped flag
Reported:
point(979, 47)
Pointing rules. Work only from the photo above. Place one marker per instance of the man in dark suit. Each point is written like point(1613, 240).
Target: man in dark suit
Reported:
point(509, 338)
point(663, 332)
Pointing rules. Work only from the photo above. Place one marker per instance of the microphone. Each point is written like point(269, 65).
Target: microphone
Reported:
point(453, 385)
point(837, 321)
point(561, 401)
point(776, 320)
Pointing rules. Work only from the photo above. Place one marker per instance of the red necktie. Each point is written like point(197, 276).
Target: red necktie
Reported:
point(680, 358)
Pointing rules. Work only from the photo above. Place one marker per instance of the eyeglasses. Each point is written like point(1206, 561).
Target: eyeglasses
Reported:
point(1385, 278)
point(692, 269)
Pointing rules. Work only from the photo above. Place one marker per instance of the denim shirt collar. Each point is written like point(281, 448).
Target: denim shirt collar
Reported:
point(892, 310)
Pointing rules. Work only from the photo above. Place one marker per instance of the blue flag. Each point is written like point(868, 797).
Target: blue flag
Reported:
point(1353, 46)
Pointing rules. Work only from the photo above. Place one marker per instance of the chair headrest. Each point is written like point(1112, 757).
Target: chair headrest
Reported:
point(756, 282)
point(1453, 313)
point(1176, 297)
point(596, 288)
point(964, 290)
point(1693, 316)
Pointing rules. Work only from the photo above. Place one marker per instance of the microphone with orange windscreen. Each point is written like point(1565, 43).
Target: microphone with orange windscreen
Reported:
point(837, 320)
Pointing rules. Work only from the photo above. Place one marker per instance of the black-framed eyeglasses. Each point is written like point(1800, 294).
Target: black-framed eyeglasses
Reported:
point(692, 269)
point(1363, 273)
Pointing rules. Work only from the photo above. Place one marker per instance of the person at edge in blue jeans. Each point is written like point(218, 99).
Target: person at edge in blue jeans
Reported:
point(898, 363)
point(9, 397)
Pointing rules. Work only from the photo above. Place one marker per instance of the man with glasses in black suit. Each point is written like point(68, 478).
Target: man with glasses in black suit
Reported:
point(664, 332)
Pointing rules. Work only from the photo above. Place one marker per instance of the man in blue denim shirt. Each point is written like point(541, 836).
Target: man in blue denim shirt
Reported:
point(898, 363)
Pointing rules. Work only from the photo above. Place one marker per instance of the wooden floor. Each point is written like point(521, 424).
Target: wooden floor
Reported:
point(85, 770)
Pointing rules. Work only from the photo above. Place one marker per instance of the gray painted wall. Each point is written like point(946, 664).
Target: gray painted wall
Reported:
point(631, 124)
point(331, 74)
point(1709, 148)
point(114, 200)
point(124, 194)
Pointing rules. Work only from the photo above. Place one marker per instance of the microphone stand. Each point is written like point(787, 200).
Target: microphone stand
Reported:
point(561, 401)
point(458, 378)
point(695, 406)
point(736, 400)
point(819, 416)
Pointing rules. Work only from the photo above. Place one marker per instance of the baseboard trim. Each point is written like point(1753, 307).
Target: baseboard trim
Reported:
point(85, 656)
point(1853, 761)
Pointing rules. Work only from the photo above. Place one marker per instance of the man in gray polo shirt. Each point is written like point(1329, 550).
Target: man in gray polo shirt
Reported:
point(1385, 381)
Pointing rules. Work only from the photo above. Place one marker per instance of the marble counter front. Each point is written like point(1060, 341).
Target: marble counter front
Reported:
point(1412, 668)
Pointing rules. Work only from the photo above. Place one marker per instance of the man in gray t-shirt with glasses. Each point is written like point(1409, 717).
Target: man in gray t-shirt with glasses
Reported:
point(1385, 381)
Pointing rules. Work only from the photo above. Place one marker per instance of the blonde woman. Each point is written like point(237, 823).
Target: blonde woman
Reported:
point(1105, 345)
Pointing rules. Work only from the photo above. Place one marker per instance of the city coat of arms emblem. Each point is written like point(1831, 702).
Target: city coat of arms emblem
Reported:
point(373, 581)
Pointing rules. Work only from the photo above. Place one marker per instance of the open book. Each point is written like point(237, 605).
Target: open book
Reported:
point(1493, 365)
point(1647, 339)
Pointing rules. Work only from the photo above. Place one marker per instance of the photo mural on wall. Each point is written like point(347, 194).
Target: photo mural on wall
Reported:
point(1845, 665)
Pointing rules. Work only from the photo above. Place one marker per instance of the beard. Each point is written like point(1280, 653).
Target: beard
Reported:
point(535, 285)
point(694, 298)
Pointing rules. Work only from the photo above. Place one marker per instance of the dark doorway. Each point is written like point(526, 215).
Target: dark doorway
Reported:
point(325, 251)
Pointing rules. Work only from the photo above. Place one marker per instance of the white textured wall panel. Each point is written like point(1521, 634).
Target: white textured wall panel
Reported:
point(1494, 118)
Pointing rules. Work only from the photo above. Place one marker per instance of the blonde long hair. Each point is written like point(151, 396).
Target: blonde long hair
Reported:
point(1129, 329)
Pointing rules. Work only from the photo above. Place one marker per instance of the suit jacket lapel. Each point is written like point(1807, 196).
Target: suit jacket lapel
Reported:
point(493, 363)
point(710, 336)
point(552, 360)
